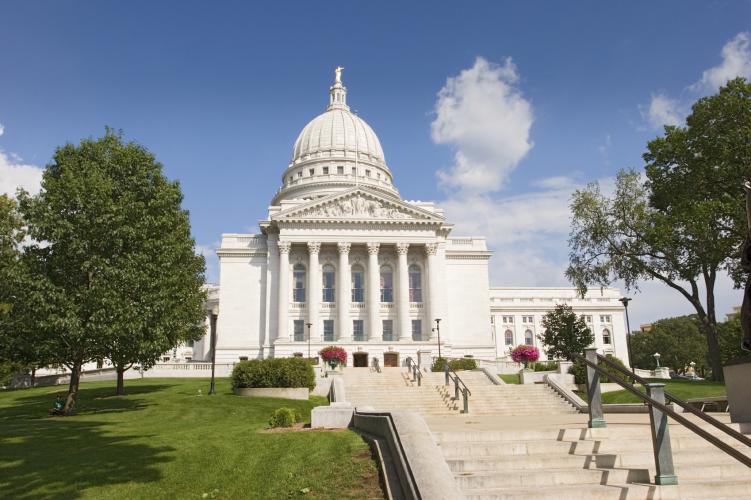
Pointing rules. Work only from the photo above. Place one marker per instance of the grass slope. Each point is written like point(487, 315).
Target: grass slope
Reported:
point(164, 439)
point(684, 389)
point(510, 378)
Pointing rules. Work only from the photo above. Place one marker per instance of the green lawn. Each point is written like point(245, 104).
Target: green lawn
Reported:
point(512, 378)
point(165, 439)
point(684, 389)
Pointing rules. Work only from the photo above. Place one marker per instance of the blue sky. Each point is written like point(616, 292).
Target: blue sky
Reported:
point(516, 103)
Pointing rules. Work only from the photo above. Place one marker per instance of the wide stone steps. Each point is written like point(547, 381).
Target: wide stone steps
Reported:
point(575, 462)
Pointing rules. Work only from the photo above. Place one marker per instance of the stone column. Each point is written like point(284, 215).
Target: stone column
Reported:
point(314, 291)
point(431, 249)
point(283, 331)
point(344, 293)
point(402, 293)
point(373, 293)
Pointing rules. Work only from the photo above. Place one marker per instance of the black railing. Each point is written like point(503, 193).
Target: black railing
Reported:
point(415, 369)
point(451, 375)
point(658, 414)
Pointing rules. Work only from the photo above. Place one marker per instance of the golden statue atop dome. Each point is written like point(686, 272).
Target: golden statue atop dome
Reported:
point(338, 72)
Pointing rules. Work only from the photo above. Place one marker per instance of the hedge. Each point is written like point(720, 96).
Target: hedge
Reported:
point(284, 417)
point(579, 371)
point(454, 364)
point(274, 372)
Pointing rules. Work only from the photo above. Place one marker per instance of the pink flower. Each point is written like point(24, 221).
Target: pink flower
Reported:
point(525, 353)
point(334, 353)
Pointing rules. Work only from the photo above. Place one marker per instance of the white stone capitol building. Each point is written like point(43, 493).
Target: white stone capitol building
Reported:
point(342, 259)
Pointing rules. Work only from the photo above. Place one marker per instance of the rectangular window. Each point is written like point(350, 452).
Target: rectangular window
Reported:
point(325, 170)
point(367, 173)
point(299, 174)
point(587, 318)
point(358, 330)
point(328, 330)
point(508, 320)
point(417, 330)
point(605, 318)
point(340, 170)
point(388, 330)
point(528, 319)
point(312, 172)
point(299, 330)
point(354, 170)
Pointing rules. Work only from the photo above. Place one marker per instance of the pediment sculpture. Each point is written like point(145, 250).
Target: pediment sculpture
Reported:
point(356, 207)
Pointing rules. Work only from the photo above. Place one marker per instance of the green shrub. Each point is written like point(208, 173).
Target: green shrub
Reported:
point(545, 366)
point(463, 364)
point(274, 372)
point(579, 371)
point(284, 417)
point(438, 364)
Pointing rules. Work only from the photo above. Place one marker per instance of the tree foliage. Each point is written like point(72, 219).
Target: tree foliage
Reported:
point(679, 341)
point(684, 222)
point(111, 271)
point(565, 333)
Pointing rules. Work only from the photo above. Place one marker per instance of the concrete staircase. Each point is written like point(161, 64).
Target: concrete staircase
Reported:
point(392, 389)
point(528, 457)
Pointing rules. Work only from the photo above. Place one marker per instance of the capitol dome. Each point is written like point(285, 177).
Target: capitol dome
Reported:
point(335, 150)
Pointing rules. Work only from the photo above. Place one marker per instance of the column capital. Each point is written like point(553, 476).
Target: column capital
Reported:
point(401, 248)
point(343, 247)
point(314, 247)
point(284, 247)
point(373, 248)
point(431, 248)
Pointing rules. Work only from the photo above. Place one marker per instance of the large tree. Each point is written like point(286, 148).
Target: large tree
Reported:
point(113, 255)
point(565, 333)
point(679, 341)
point(684, 223)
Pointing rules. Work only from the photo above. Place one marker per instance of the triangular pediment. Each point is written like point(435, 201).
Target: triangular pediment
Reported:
point(357, 204)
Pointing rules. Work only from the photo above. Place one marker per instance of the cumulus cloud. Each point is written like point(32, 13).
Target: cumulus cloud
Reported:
point(736, 61)
point(212, 261)
point(2, 129)
point(484, 116)
point(14, 173)
point(663, 111)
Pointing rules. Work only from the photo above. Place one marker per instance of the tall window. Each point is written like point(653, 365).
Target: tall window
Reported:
point(529, 338)
point(329, 283)
point(298, 292)
point(387, 284)
point(358, 280)
point(299, 330)
point(417, 330)
point(328, 330)
point(509, 337)
point(415, 283)
point(340, 170)
point(606, 336)
point(388, 330)
point(358, 330)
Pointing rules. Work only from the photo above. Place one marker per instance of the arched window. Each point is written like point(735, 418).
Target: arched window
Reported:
point(606, 336)
point(298, 276)
point(358, 283)
point(415, 283)
point(387, 284)
point(529, 338)
point(329, 286)
point(509, 337)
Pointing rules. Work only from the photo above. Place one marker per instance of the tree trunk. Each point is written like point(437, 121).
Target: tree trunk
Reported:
point(120, 380)
point(713, 350)
point(75, 377)
point(33, 376)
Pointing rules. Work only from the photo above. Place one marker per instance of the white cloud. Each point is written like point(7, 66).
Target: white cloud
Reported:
point(484, 116)
point(663, 111)
point(736, 61)
point(2, 129)
point(14, 174)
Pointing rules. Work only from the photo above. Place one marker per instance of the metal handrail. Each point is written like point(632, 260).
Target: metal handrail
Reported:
point(683, 404)
point(415, 368)
point(741, 457)
point(452, 375)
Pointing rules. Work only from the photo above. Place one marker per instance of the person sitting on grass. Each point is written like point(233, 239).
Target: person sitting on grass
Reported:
point(57, 407)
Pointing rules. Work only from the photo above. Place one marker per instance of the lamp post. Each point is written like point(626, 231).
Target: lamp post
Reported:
point(438, 331)
point(308, 325)
point(657, 358)
point(212, 326)
point(625, 301)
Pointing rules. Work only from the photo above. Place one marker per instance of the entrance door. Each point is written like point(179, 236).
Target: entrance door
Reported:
point(360, 359)
point(391, 359)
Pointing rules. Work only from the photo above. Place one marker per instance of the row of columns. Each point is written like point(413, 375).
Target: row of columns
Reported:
point(344, 291)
